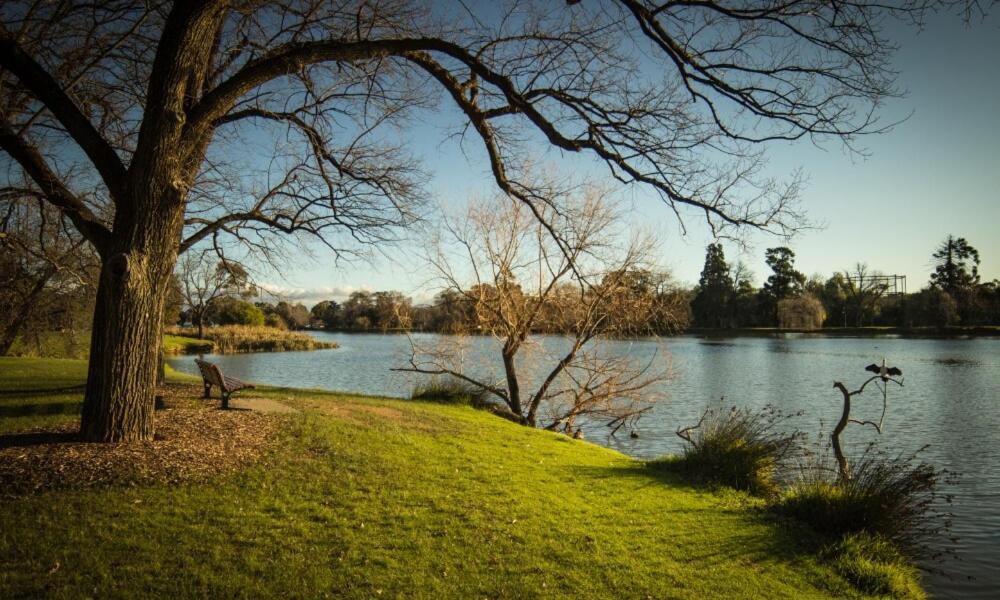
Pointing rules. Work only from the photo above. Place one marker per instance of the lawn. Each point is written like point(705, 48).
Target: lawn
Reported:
point(364, 497)
point(179, 344)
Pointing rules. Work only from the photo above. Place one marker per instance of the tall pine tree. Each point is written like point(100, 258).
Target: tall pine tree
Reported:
point(957, 265)
point(784, 282)
point(712, 306)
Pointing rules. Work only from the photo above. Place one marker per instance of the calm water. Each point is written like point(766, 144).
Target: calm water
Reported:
point(951, 402)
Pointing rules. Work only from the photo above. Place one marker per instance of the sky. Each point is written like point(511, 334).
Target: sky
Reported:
point(936, 173)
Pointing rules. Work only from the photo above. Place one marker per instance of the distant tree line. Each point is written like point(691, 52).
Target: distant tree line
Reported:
point(234, 310)
point(724, 298)
point(856, 297)
point(48, 284)
point(453, 312)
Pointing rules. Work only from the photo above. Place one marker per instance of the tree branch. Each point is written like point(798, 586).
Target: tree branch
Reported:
point(49, 92)
point(53, 190)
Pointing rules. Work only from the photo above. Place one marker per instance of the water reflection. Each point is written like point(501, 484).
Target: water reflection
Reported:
point(950, 401)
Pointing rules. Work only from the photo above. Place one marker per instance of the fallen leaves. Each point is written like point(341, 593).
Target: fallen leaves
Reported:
point(195, 441)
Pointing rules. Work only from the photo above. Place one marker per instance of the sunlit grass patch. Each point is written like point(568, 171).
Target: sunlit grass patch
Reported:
point(373, 497)
point(178, 344)
point(876, 566)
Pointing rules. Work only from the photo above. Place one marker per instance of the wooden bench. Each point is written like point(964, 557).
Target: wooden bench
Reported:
point(212, 375)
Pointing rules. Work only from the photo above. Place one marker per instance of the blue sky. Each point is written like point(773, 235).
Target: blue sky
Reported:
point(935, 174)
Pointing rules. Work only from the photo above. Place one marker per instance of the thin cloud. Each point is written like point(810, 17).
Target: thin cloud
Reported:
point(270, 292)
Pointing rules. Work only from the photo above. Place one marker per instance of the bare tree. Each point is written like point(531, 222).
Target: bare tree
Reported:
point(882, 378)
point(203, 280)
point(864, 289)
point(152, 107)
point(518, 279)
point(43, 261)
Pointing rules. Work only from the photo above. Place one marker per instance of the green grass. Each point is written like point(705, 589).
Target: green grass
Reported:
point(36, 392)
point(874, 564)
point(178, 344)
point(449, 391)
point(368, 497)
point(53, 344)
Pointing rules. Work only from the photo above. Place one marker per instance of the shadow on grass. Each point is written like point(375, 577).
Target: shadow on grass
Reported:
point(21, 393)
point(642, 471)
point(34, 410)
point(24, 440)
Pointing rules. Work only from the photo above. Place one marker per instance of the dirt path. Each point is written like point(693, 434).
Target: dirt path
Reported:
point(263, 405)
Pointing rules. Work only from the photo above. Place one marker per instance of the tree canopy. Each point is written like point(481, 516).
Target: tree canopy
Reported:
point(146, 124)
point(785, 281)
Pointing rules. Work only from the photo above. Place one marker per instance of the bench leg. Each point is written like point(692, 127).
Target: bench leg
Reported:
point(225, 401)
point(208, 390)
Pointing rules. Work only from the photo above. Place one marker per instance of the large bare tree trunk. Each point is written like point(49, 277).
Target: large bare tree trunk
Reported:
point(124, 344)
point(140, 256)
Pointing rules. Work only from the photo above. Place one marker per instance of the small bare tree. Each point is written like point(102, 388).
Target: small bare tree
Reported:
point(202, 280)
point(44, 263)
point(500, 258)
point(884, 375)
point(864, 288)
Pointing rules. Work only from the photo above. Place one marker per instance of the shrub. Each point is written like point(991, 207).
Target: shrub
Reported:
point(892, 498)
point(275, 320)
point(449, 391)
point(875, 566)
point(738, 448)
point(232, 311)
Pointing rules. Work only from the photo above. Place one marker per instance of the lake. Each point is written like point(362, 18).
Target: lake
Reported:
point(951, 402)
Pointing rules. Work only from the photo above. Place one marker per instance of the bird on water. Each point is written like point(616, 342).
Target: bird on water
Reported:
point(883, 371)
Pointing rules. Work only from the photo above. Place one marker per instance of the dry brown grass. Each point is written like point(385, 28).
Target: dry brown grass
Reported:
point(234, 339)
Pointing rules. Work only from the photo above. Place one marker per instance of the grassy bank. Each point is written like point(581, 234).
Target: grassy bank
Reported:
point(234, 339)
point(179, 344)
point(366, 497)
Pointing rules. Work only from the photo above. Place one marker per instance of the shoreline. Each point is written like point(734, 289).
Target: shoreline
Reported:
point(859, 332)
point(869, 331)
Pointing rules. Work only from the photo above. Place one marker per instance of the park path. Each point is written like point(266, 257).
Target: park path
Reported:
point(263, 405)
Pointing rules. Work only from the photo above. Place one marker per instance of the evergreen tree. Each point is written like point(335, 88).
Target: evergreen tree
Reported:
point(712, 306)
point(784, 282)
point(957, 265)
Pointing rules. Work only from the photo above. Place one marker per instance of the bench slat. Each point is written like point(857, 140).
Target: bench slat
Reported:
point(212, 375)
point(233, 384)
